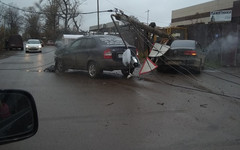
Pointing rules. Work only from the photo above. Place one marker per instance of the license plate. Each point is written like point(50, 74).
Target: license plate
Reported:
point(120, 55)
point(174, 62)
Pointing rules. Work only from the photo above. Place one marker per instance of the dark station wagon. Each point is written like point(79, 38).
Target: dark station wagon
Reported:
point(15, 42)
point(94, 53)
point(183, 54)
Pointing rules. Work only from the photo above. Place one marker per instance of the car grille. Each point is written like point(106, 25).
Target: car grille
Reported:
point(33, 48)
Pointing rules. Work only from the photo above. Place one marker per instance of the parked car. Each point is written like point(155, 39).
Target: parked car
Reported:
point(50, 43)
point(14, 42)
point(94, 53)
point(42, 43)
point(33, 45)
point(186, 54)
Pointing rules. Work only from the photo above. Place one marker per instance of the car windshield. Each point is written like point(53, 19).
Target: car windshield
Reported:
point(124, 74)
point(181, 44)
point(33, 42)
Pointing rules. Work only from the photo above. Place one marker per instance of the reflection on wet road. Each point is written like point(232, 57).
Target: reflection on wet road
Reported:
point(153, 111)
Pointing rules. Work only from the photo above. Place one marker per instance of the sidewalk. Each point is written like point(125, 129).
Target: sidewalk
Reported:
point(6, 53)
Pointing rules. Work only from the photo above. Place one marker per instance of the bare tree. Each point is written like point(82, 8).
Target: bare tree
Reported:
point(2, 11)
point(69, 11)
point(32, 25)
point(60, 16)
point(76, 17)
point(13, 20)
point(50, 11)
point(2, 27)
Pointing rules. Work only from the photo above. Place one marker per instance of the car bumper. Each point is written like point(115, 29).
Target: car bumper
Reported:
point(112, 65)
point(33, 49)
point(189, 63)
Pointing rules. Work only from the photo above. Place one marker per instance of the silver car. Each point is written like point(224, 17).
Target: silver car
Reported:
point(33, 45)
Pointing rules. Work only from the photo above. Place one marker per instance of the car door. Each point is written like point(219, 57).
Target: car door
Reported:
point(85, 49)
point(71, 53)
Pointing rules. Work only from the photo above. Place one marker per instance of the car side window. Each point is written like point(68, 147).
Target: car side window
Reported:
point(76, 44)
point(91, 43)
point(83, 44)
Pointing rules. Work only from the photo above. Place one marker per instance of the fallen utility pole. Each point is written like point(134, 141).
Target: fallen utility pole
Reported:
point(122, 17)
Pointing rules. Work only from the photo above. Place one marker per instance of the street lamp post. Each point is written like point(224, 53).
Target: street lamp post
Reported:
point(98, 13)
point(147, 15)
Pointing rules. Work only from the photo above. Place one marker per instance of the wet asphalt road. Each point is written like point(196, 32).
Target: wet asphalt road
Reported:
point(153, 111)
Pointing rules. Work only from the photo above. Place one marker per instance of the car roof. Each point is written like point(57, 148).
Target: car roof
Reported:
point(189, 44)
point(33, 40)
point(100, 36)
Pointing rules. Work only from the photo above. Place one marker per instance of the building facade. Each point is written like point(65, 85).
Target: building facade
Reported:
point(216, 25)
point(202, 13)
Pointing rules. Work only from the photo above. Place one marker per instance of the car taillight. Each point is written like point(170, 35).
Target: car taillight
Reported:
point(190, 53)
point(107, 54)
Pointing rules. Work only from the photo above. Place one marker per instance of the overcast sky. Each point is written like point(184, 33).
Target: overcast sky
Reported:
point(160, 11)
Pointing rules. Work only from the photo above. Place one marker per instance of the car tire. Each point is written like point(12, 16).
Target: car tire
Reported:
point(198, 70)
point(126, 72)
point(162, 68)
point(93, 70)
point(59, 67)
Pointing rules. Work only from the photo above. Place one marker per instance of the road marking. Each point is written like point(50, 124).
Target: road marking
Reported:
point(213, 71)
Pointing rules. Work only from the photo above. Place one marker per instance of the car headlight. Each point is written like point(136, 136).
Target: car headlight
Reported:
point(26, 46)
point(40, 46)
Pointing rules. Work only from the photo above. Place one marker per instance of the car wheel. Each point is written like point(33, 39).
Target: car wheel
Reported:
point(93, 70)
point(198, 70)
point(126, 72)
point(59, 67)
point(162, 68)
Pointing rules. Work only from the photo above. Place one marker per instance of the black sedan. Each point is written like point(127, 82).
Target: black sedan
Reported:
point(94, 53)
point(183, 54)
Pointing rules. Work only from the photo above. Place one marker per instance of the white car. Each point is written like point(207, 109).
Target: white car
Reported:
point(33, 45)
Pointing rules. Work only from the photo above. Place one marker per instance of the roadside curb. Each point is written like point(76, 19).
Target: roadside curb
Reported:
point(5, 53)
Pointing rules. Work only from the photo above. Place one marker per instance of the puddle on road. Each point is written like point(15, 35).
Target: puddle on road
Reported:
point(14, 63)
point(35, 70)
point(211, 71)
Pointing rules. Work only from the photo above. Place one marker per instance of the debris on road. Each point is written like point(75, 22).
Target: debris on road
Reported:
point(204, 105)
point(110, 104)
point(160, 103)
point(50, 69)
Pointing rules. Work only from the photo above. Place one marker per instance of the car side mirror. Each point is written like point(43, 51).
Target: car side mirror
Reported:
point(18, 116)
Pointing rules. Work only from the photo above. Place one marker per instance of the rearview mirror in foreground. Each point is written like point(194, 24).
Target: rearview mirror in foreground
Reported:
point(18, 116)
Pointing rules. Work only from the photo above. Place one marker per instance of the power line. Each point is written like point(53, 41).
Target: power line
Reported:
point(199, 90)
point(124, 9)
point(35, 12)
point(222, 71)
point(29, 68)
point(146, 41)
point(222, 78)
point(144, 18)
